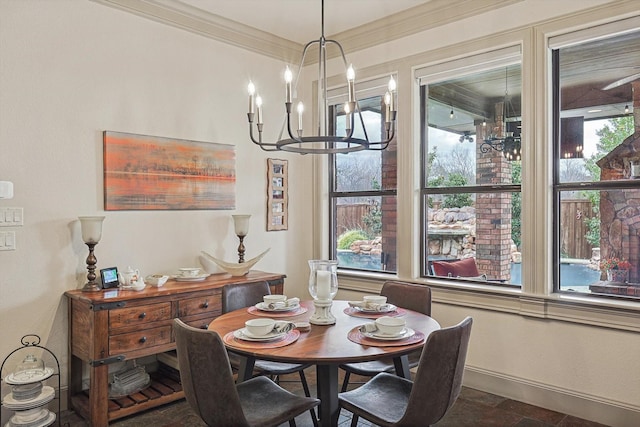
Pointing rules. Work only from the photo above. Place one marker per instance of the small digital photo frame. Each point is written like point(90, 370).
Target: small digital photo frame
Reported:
point(109, 277)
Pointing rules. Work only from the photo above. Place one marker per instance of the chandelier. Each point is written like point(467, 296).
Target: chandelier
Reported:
point(323, 142)
point(508, 144)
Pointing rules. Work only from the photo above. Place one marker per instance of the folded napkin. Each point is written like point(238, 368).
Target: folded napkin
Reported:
point(282, 327)
point(368, 327)
point(292, 302)
point(370, 305)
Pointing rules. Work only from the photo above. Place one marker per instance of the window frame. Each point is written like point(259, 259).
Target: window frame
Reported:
point(371, 88)
point(460, 67)
point(555, 44)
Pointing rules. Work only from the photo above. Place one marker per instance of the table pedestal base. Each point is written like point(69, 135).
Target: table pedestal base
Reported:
point(322, 315)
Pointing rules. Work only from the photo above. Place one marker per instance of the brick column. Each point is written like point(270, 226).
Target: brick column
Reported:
point(493, 210)
point(389, 204)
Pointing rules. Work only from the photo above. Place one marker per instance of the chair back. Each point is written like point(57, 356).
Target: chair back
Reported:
point(239, 295)
point(438, 381)
point(408, 295)
point(206, 376)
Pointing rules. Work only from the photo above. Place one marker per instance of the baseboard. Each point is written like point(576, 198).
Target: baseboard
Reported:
point(593, 408)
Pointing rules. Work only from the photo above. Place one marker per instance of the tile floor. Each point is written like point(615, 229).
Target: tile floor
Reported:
point(472, 409)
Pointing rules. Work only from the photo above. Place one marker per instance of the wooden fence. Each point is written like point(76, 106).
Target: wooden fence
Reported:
point(349, 217)
point(573, 228)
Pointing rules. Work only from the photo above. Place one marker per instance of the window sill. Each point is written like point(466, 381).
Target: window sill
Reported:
point(586, 310)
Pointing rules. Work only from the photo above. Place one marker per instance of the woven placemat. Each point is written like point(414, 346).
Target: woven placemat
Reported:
point(290, 337)
point(356, 336)
point(257, 312)
point(352, 311)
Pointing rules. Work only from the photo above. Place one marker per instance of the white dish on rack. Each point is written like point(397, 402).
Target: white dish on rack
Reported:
point(245, 335)
point(19, 378)
point(46, 395)
point(407, 333)
point(46, 419)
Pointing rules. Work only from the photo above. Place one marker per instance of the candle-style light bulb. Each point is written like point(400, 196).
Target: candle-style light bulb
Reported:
point(387, 101)
point(626, 109)
point(300, 111)
point(351, 77)
point(252, 90)
point(259, 105)
point(392, 90)
point(347, 116)
point(288, 77)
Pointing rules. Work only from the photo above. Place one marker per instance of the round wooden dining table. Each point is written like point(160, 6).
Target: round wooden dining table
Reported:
point(326, 346)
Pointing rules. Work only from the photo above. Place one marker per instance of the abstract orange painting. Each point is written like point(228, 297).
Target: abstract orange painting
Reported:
point(155, 173)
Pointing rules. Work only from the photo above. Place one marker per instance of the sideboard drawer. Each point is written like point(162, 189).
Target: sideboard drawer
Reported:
point(140, 315)
point(139, 340)
point(205, 304)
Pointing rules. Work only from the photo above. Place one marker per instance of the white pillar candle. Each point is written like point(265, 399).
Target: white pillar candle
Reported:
point(323, 284)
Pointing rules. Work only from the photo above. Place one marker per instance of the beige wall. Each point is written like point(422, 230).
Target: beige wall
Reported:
point(70, 69)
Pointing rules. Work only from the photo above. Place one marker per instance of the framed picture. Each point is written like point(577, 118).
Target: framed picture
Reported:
point(277, 195)
point(155, 173)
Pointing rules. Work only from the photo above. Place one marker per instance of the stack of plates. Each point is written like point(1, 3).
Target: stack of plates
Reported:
point(19, 402)
point(38, 417)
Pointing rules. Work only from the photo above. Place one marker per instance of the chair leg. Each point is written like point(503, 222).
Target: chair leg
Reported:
point(292, 422)
point(305, 387)
point(354, 421)
point(345, 383)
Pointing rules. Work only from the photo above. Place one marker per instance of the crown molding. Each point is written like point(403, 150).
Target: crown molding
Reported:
point(411, 21)
point(197, 21)
point(420, 18)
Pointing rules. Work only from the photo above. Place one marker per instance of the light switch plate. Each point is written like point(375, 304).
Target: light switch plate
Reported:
point(11, 217)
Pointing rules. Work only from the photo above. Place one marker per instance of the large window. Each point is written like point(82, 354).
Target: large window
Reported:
point(471, 152)
point(597, 165)
point(362, 195)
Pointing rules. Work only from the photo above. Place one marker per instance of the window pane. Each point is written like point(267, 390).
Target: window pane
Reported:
point(362, 170)
point(361, 225)
point(474, 123)
point(484, 228)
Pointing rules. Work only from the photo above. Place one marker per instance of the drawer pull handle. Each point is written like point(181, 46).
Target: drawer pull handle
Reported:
point(143, 340)
point(142, 315)
point(205, 304)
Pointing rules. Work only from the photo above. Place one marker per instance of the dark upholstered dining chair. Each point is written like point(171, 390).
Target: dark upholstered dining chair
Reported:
point(390, 401)
point(405, 295)
point(208, 385)
point(240, 295)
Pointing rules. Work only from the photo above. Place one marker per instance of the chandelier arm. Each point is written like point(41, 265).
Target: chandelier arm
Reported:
point(259, 141)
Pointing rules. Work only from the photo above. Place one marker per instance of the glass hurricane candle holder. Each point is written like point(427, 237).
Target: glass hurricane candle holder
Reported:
point(323, 287)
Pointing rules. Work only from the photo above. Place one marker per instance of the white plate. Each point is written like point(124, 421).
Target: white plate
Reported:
point(20, 379)
point(243, 334)
point(369, 310)
point(408, 332)
point(197, 278)
point(46, 422)
point(45, 396)
point(265, 307)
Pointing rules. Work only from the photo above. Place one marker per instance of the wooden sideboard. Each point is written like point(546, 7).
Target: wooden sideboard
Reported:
point(114, 325)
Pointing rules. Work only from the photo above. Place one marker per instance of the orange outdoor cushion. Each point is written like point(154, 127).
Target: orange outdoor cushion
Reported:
point(462, 268)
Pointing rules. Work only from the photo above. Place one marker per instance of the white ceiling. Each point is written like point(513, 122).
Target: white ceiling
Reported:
point(300, 20)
